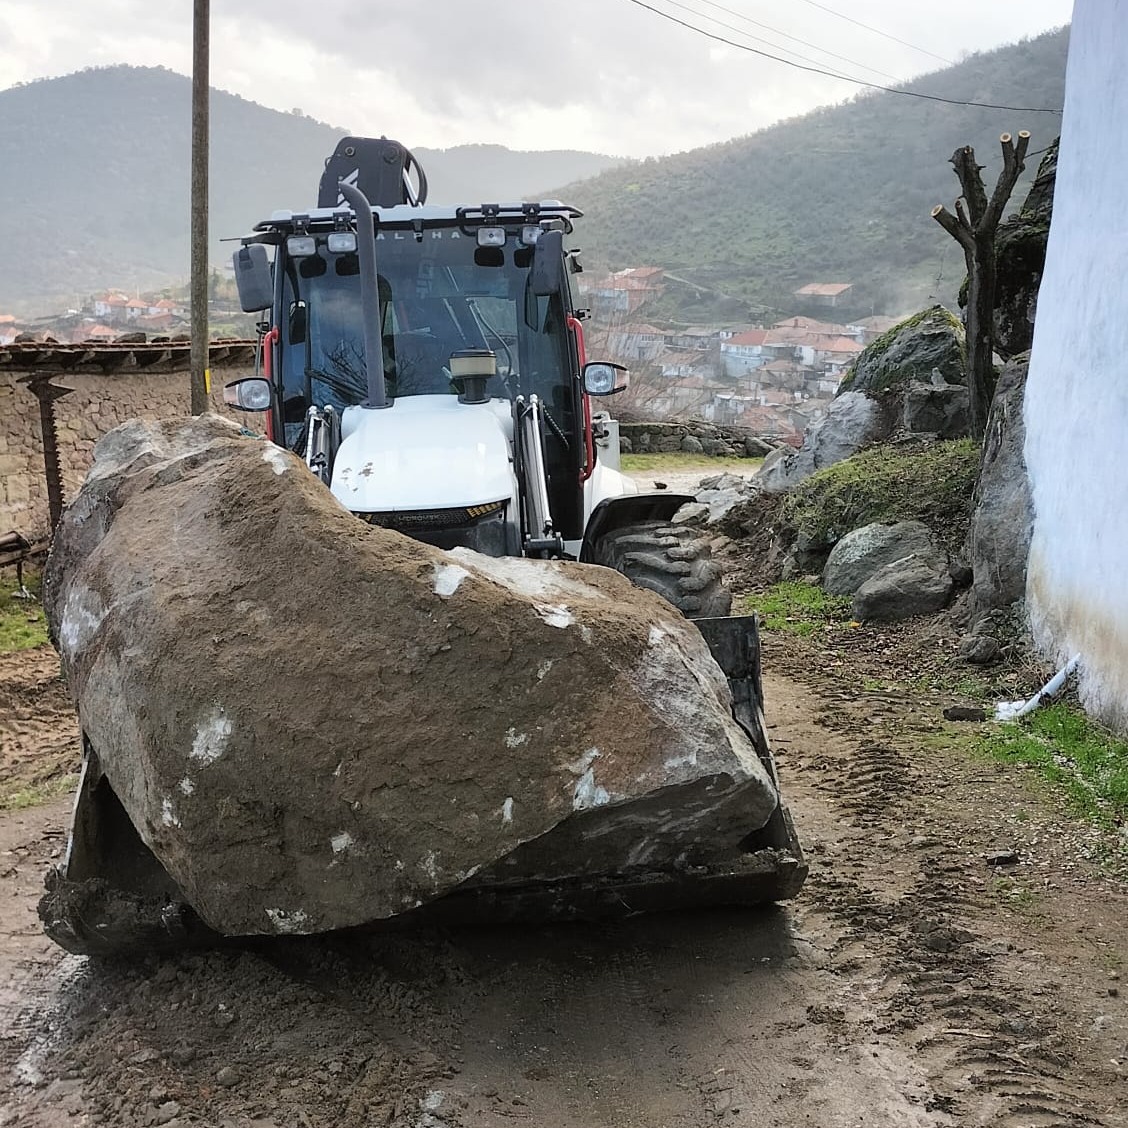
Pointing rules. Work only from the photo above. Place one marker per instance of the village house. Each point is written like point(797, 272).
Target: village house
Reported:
point(823, 294)
point(743, 352)
point(870, 328)
point(635, 342)
point(623, 291)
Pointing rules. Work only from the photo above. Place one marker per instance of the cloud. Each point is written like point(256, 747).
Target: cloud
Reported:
point(593, 74)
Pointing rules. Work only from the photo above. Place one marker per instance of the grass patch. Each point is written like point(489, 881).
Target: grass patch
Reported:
point(1074, 754)
point(36, 793)
point(932, 483)
point(22, 622)
point(796, 607)
point(677, 461)
point(1014, 895)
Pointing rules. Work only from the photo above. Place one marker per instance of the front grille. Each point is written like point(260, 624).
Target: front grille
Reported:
point(421, 520)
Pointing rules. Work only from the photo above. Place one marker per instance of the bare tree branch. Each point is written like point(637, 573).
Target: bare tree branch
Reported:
point(960, 231)
point(1013, 165)
point(963, 161)
point(964, 218)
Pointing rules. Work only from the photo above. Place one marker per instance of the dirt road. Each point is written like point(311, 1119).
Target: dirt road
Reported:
point(913, 983)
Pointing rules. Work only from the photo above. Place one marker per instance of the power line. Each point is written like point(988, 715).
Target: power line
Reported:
point(758, 39)
point(843, 78)
point(784, 34)
point(878, 31)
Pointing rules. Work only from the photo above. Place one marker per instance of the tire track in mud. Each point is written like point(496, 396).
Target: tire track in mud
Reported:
point(882, 996)
point(992, 1044)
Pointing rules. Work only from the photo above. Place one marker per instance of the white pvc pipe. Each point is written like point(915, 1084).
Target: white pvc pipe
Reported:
point(1012, 710)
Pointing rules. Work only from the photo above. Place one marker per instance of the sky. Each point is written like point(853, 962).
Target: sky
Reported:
point(611, 76)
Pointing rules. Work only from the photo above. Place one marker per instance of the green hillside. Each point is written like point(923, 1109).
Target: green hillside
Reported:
point(94, 173)
point(842, 194)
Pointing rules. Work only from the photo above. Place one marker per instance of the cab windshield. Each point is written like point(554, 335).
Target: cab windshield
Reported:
point(438, 295)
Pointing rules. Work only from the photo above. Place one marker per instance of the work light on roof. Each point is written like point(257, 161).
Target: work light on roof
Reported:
point(529, 235)
point(298, 246)
point(491, 236)
point(342, 242)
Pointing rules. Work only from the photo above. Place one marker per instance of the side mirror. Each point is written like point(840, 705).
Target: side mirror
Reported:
point(604, 378)
point(251, 394)
point(253, 278)
point(547, 272)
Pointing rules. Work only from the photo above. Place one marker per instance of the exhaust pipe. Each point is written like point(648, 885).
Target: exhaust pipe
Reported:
point(369, 294)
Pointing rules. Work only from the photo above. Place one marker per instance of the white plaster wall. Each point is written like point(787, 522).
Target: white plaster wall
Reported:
point(1076, 403)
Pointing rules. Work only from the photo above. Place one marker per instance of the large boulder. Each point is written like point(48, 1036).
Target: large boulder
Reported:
point(916, 585)
point(1003, 520)
point(861, 552)
point(1020, 252)
point(851, 421)
point(314, 722)
point(927, 345)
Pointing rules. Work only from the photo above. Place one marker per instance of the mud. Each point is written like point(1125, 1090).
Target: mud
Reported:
point(913, 983)
point(38, 731)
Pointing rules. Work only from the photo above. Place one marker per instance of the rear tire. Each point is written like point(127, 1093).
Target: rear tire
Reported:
point(672, 560)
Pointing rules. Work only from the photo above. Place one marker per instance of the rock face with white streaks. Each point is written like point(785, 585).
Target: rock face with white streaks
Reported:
point(315, 723)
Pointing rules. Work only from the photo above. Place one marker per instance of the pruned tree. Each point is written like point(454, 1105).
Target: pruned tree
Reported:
point(973, 227)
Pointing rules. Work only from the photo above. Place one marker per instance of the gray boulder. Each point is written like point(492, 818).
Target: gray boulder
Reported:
point(806, 556)
point(316, 723)
point(851, 422)
point(917, 585)
point(932, 340)
point(721, 494)
point(980, 650)
point(1001, 525)
point(691, 445)
point(935, 408)
point(757, 448)
point(862, 552)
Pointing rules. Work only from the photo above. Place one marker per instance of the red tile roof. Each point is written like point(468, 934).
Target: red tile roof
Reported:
point(749, 337)
point(840, 344)
point(811, 324)
point(823, 289)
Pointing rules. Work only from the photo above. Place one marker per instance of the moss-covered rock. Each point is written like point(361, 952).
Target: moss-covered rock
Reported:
point(928, 482)
point(929, 341)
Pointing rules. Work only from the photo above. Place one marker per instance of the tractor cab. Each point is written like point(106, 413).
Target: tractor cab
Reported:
point(428, 361)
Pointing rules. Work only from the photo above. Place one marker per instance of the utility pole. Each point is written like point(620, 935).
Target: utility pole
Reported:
point(199, 205)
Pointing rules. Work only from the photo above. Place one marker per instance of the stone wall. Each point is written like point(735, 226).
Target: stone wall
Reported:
point(97, 404)
point(692, 437)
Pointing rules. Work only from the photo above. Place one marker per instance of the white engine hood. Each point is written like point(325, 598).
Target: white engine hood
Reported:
point(424, 452)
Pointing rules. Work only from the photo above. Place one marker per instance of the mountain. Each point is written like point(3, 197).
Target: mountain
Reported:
point(94, 178)
point(840, 195)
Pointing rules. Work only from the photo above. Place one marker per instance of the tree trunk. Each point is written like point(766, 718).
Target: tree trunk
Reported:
point(980, 327)
point(973, 227)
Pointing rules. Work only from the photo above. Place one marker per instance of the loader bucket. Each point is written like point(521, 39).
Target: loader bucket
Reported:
point(111, 895)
